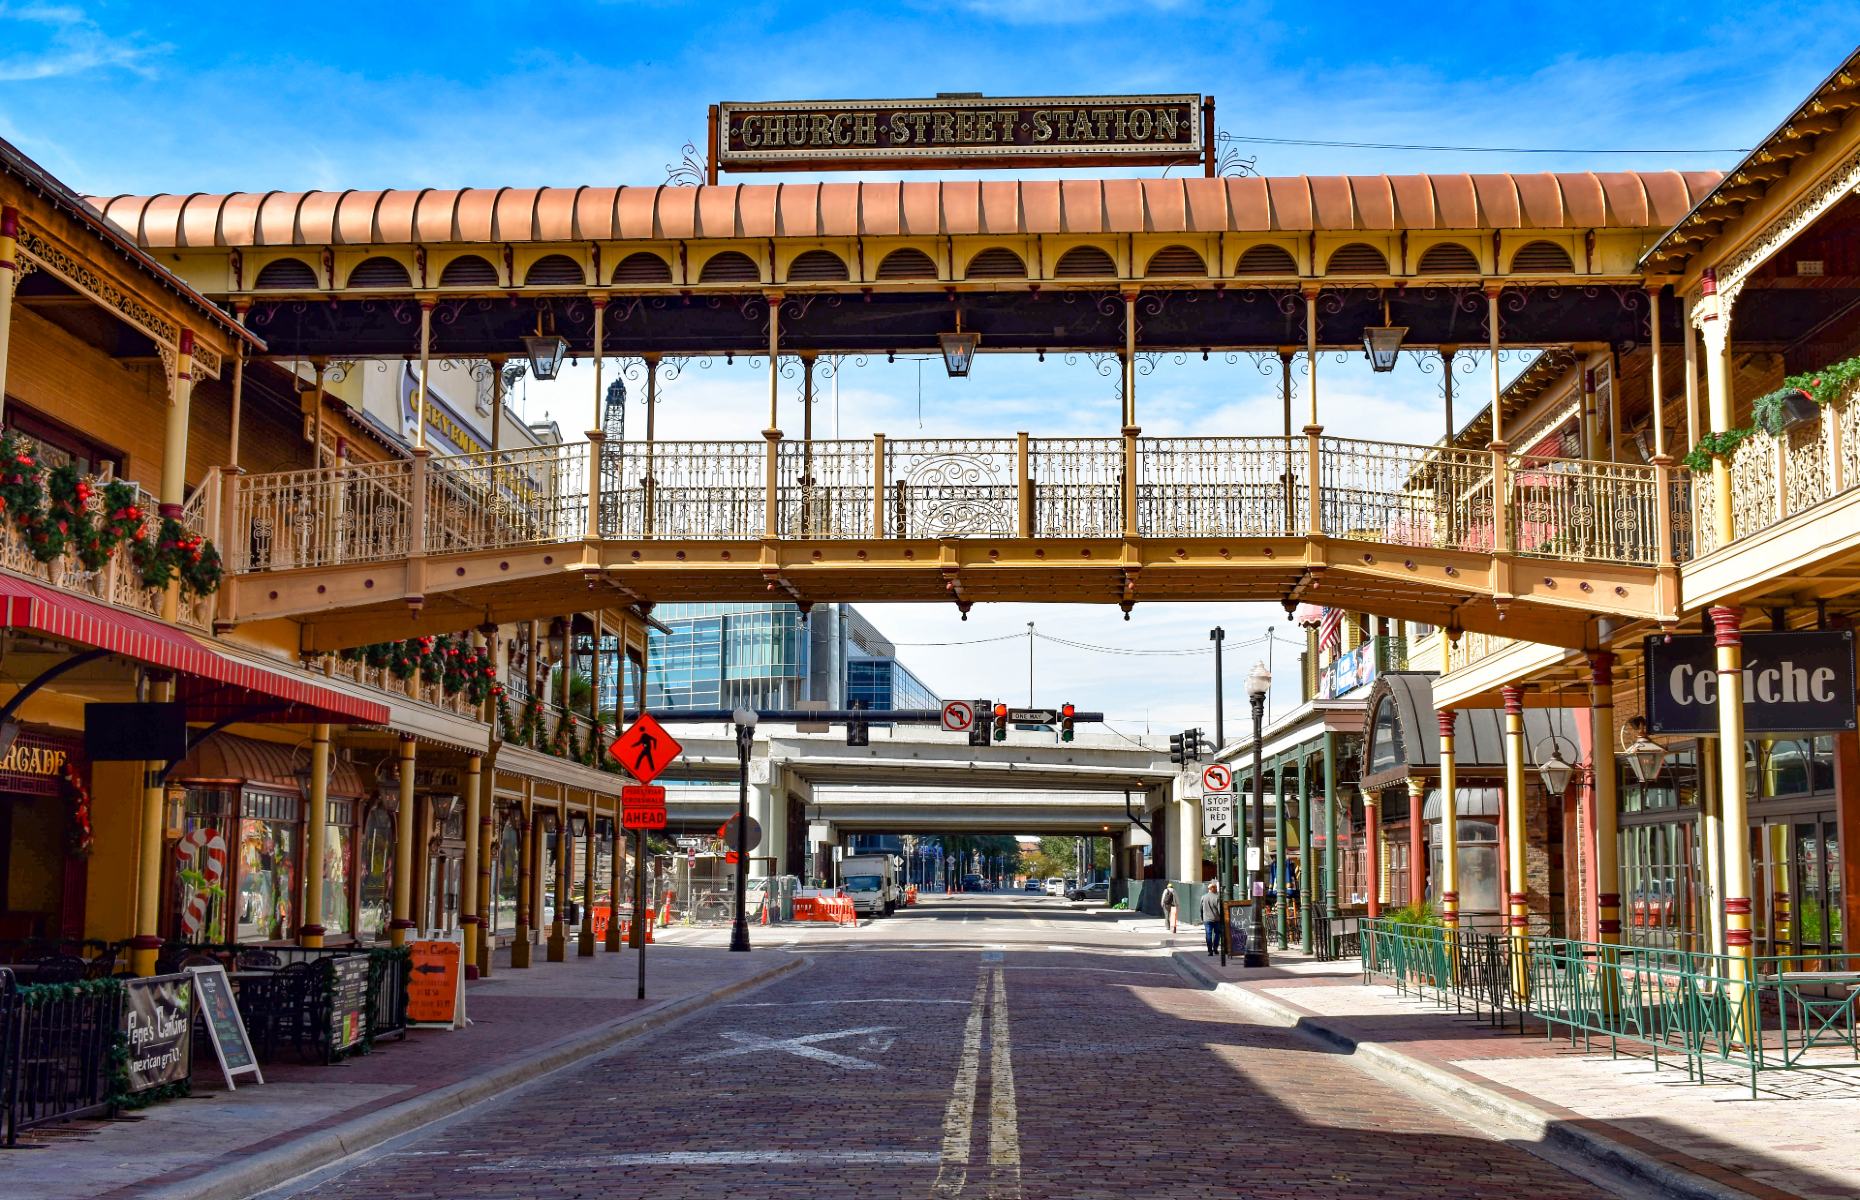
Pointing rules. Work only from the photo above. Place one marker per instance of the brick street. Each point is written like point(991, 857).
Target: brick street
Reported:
point(978, 1046)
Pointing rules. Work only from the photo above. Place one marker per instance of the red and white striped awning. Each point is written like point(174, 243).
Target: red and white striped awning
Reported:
point(36, 608)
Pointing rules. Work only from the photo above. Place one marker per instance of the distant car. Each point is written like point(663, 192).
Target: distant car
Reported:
point(1033, 885)
point(1091, 891)
point(1055, 886)
point(974, 883)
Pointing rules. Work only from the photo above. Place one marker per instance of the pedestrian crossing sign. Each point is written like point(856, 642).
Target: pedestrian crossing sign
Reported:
point(645, 749)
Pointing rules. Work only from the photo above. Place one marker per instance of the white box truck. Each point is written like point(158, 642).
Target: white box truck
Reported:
point(871, 880)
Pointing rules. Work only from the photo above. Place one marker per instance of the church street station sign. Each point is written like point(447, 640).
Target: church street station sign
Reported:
point(961, 131)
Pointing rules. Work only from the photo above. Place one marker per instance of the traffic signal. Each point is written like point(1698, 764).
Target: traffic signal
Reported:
point(1066, 713)
point(1191, 741)
point(857, 733)
point(1000, 722)
point(978, 729)
point(1178, 748)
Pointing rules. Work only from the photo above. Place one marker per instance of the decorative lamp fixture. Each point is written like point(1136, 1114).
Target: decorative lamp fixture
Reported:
point(1555, 770)
point(1382, 343)
point(959, 349)
point(1258, 681)
point(1645, 757)
point(746, 717)
point(545, 350)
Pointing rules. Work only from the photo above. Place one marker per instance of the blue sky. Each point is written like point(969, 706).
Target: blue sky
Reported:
point(133, 97)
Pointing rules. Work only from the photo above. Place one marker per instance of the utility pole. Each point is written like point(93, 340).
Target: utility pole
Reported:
point(1217, 635)
point(1030, 664)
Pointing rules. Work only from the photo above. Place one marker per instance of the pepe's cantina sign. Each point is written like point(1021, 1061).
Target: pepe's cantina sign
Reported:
point(953, 130)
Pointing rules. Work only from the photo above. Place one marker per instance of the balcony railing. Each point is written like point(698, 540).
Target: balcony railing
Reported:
point(1401, 495)
point(384, 680)
point(1775, 476)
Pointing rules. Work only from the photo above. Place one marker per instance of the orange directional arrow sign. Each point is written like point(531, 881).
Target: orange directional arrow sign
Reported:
point(645, 749)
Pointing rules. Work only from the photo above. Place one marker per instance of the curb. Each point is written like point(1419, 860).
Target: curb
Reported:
point(267, 1169)
point(1549, 1136)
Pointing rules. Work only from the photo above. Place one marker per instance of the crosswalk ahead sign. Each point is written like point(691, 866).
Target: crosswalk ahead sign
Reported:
point(1217, 815)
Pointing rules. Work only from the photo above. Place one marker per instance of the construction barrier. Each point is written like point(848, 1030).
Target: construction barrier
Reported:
point(837, 909)
point(910, 895)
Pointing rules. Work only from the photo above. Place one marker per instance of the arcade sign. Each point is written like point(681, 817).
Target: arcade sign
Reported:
point(961, 131)
point(1793, 683)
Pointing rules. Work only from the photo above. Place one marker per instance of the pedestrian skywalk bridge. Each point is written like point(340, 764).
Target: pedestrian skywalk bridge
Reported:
point(1495, 542)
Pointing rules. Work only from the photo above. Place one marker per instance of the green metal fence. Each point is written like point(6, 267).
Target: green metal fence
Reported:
point(1795, 1012)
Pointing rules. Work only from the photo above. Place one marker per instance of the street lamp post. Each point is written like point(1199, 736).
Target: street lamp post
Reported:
point(1258, 683)
point(745, 719)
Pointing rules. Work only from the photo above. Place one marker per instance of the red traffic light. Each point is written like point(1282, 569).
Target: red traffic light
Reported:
point(1067, 711)
point(1000, 712)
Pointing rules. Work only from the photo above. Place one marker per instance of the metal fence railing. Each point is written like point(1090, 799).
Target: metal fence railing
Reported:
point(1790, 1012)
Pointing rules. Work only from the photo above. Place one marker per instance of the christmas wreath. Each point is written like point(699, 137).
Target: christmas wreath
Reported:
point(83, 837)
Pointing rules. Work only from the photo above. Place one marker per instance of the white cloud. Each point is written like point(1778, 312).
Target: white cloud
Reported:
point(73, 44)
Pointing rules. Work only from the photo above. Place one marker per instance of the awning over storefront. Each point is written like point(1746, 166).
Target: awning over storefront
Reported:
point(1473, 802)
point(206, 678)
point(228, 757)
point(1402, 736)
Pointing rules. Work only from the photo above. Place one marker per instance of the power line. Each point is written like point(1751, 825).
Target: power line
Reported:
point(1275, 141)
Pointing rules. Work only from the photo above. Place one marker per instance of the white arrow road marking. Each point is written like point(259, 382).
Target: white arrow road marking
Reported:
point(802, 1047)
point(1004, 1115)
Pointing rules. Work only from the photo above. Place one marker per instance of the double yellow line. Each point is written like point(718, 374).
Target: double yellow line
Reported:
point(952, 1177)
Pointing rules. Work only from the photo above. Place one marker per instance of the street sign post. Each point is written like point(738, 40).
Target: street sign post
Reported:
point(958, 716)
point(1217, 815)
point(1217, 777)
point(645, 749)
point(642, 806)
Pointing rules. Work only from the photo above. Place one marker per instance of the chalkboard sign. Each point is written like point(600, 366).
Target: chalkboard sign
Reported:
point(158, 1020)
point(225, 1027)
point(348, 1008)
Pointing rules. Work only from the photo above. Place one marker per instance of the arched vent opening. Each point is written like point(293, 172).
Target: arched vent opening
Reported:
point(908, 263)
point(555, 270)
point(641, 267)
point(1448, 258)
point(1084, 262)
point(732, 266)
point(1357, 258)
point(1176, 260)
point(468, 270)
point(1267, 260)
point(1541, 258)
point(818, 266)
point(996, 263)
point(286, 274)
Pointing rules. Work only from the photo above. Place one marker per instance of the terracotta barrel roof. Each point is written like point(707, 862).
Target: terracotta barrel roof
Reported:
point(1581, 200)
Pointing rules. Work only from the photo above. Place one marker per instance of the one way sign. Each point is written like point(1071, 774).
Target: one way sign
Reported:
point(1217, 815)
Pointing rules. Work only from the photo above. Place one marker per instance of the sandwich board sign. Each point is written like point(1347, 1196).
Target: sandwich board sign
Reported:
point(225, 1027)
point(436, 981)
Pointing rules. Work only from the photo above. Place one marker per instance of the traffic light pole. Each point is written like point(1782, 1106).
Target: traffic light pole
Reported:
point(739, 932)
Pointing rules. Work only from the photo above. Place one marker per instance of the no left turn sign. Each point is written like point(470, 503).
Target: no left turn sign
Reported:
point(1217, 778)
point(958, 716)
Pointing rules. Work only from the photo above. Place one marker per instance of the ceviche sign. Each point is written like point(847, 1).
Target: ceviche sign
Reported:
point(1793, 683)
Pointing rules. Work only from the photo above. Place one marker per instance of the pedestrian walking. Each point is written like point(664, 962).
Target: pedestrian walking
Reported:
point(1169, 905)
point(1211, 916)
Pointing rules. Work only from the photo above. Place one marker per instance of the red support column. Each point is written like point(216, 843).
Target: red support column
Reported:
point(1372, 853)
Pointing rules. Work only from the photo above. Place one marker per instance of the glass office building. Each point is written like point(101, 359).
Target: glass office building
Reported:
point(765, 656)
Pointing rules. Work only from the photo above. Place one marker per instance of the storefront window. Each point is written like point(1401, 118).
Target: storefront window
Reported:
point(504, 880)
point(202, 864)
point(1659, 881)
point(376, 867)
point(266, 904)
point(1478, 865)
point(336, 859)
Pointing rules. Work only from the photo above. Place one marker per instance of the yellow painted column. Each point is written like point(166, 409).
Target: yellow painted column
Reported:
point(468, 870)
point(558, 927)
point(402, 916)
point(1720, 403)
point(146, 944)
point(316, 837)
point(526, 871)
point(1607, 848)
point(9, 279)
point(1728, 637)
point(771, 473)
point(174, 453)
point(1518, 901)
point(1449, 824)
point(1711, 846)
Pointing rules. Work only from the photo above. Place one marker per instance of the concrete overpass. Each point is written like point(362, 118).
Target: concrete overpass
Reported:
point(807, 790)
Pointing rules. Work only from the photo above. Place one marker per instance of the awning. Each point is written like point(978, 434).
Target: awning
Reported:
point(275, 764)
point(206, 677)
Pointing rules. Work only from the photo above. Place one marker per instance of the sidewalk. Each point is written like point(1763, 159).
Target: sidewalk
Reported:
point(524, 1023)
point(1682, 1138)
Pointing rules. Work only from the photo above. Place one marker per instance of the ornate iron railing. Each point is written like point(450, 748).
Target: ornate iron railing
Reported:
point(1077, 486)
point(1378, 492)
point(950, 487)
point(1775, 476)
point(1584, 511)
point(1222, 486)
point(825, 489)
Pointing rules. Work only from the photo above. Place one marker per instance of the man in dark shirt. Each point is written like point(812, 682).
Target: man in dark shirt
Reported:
point(1211, 916)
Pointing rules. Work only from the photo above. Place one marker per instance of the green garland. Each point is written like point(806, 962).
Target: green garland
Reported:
point(1824, 387)
point(54, 514)
point(506, 722)
point(531, 727)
